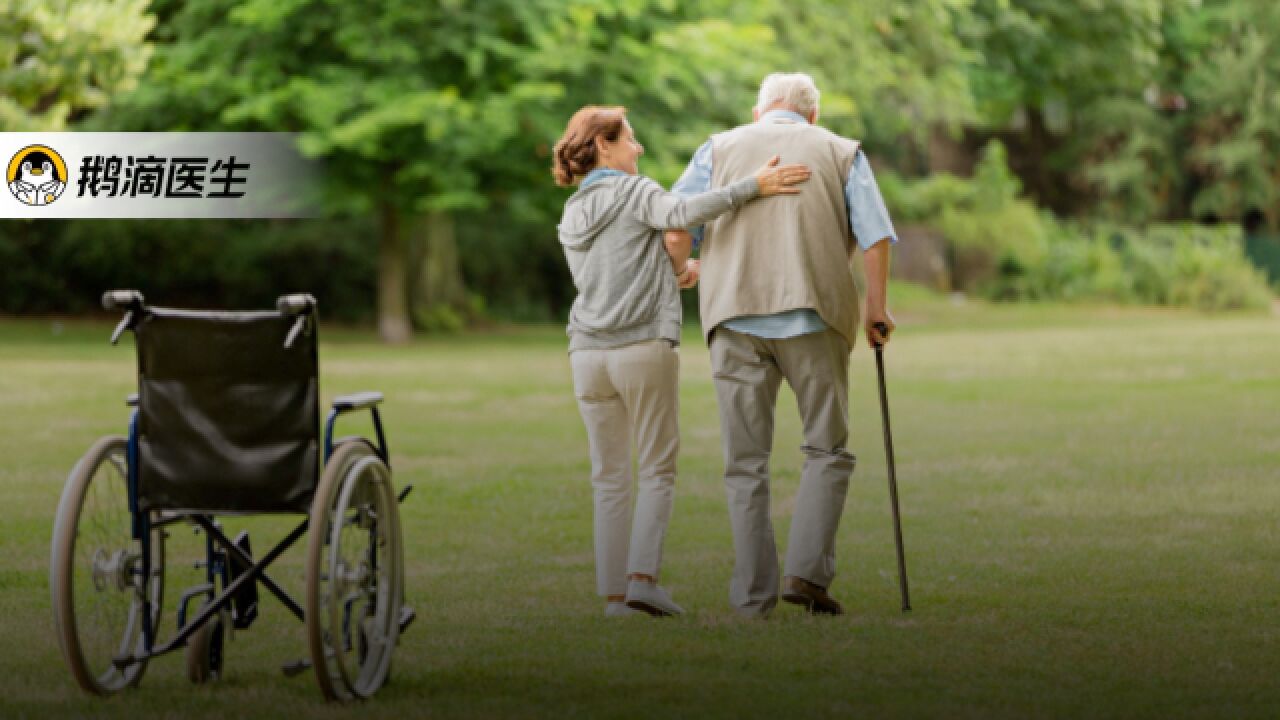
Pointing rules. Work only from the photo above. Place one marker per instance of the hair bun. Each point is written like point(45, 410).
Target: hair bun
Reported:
point(575, 152)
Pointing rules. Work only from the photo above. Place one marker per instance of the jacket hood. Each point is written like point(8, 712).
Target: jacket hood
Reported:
point(590, 210)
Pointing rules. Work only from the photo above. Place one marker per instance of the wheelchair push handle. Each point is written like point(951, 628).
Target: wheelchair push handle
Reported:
point(131, 301)
point(301, 306)
point(117, 299)
point(296, 304)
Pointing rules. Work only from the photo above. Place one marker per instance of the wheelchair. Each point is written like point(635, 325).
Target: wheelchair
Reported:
point(226, 422)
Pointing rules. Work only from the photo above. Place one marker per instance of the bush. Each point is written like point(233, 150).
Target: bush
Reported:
point(991, 233)
point(1002, 247)
point(63, 267)
point(1184, 265)
point(1077, 266)
point(1213, 273)
point(516, 269)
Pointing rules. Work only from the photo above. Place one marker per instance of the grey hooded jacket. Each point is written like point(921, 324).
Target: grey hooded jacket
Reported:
point(611, 232)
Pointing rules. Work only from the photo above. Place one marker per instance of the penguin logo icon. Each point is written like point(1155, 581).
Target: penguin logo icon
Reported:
point(37, 175)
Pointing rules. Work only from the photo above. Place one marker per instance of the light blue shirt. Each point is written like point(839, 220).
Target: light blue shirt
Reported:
point(599, 173)
point(868, 219)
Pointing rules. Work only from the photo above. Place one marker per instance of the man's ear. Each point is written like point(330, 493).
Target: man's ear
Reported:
point(755, 114)
point(813, 116)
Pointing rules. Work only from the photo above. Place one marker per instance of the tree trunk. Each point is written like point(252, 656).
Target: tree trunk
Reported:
point(948, 154)
point(438, 291)
point(1048, 187)
point(393, 300)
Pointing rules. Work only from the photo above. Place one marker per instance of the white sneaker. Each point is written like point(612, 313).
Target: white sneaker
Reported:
point(651, 598)
point(617, 609)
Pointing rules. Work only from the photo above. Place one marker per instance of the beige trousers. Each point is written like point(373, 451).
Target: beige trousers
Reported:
point(747, 371)
point(629, 395)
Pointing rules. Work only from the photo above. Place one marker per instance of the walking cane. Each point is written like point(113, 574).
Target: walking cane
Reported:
point(883, 329)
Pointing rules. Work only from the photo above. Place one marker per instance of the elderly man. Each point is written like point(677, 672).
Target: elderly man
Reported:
point(778, 301)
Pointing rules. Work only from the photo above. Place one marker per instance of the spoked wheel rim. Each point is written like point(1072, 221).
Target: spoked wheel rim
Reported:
point(354, 575)
point(96, 572)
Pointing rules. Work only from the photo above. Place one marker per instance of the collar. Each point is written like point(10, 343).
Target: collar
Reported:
point(599, 173)
point(781, 115)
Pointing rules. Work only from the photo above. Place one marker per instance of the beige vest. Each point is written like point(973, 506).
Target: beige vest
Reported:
point(787, 251)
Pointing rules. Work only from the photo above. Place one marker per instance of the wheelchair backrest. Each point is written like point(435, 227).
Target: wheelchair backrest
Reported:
point(228, 416)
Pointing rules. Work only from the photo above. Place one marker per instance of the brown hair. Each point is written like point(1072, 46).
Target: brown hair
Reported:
point(575, 152)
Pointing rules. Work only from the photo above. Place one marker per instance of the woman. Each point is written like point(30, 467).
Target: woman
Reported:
point(623, 331)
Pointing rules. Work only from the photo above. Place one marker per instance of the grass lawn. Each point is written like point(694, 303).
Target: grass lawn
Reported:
point(1091, 509)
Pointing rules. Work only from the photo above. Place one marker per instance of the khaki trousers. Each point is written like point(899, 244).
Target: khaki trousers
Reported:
point(747, 371)
point(629, 394)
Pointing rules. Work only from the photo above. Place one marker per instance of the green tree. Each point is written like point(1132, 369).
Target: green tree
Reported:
point(1055, 58)
point(421, 111)
point(1234, 99)
point(888, 70)
point(1202, 140)
point(1048, 68)
point(60, 60)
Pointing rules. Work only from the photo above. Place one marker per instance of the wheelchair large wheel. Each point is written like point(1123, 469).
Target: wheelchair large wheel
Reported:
point(355, 574)
point(96, 572)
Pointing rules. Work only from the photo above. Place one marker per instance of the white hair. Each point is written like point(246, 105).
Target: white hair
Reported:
point(795, 90)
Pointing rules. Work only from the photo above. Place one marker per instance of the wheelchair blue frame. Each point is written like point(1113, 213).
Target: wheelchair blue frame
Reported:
point(334, 412)
point(254, 571)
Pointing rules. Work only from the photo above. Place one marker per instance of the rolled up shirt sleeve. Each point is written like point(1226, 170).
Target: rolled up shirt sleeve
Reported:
point(696, 180)
point(868, 217)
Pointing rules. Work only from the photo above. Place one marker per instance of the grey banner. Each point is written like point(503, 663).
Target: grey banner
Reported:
point(157, 175)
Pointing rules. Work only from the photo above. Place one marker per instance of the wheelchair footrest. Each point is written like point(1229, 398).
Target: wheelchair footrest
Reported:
point(296, 667)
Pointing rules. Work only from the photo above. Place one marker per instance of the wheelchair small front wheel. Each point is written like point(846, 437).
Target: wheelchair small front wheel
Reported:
point(96, 573)
point(204, 651)
point(355, 573)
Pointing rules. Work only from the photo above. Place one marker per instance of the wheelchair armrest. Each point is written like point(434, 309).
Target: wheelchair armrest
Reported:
point(357, 401)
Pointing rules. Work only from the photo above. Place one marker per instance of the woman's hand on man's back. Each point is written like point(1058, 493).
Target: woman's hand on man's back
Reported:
point(775, 179)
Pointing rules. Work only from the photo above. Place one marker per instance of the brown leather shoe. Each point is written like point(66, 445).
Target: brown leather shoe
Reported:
point(814, 598)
